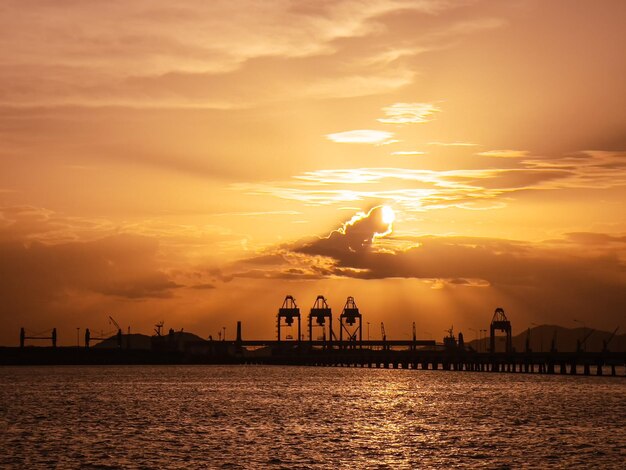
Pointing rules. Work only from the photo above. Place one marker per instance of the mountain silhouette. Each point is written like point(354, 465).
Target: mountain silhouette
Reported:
point(141, 341)
point(566, 339)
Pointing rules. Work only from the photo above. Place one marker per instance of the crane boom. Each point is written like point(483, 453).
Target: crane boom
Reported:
point(580, 344)
point(606, 342)
point(612, 335)
point(112, 320)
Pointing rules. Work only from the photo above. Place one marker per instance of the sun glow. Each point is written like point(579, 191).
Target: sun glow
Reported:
point(388, 215)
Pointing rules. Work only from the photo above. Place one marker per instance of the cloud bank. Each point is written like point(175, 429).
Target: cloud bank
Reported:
point(579, 273)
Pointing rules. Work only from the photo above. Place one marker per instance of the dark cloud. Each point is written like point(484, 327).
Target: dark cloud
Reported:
point(356, 236)
point(271, 259)
point(310, 259)
point(36, 274)
point(502, 263)
point(67, 272)
point(563, 278)
point(591, 238)
point(203, 286)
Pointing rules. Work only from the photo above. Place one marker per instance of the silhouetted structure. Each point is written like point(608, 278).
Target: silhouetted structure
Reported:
point(351, 321)
point(527, 344)
point(581, 344)
point(606, 342)
point(186, 348)
point(500, 322)
point(383, 335)
point(288, 312)
point(321, 312)
point(449, 341)
point(553, 348)
point(102, 337)
point(52, 337)
point(238, 338)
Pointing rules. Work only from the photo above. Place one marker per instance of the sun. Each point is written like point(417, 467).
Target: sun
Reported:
point(388, 215)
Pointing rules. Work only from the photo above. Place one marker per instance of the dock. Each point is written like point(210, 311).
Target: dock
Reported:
point(347, 349)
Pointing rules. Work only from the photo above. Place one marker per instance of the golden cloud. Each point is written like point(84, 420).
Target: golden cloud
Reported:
point(409, 113)
point(504, 153)
point(362, 136)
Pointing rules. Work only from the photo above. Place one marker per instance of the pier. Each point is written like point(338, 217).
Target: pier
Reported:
point(348, 349)
point(426, 356)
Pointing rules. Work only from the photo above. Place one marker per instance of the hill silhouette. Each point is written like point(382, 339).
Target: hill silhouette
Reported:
point(540, 340)
point(141, 341)
point(541, 337)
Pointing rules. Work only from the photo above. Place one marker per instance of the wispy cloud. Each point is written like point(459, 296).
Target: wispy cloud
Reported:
point(453, 144)
point(587, 169)
point(414, 190)
point(257, 213)
point(30, 224)
point(408, 113)
point(504, 153)
point(407, 153)
point(472, 189)
point(362, 136)
point(187, 55)
point(370, 175)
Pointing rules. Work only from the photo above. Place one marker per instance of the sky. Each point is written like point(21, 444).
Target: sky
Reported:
point(195, 162)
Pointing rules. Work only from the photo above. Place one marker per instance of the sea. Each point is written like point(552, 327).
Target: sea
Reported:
point(280, 417)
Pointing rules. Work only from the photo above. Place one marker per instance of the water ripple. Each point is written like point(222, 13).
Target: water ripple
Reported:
point(306, 418)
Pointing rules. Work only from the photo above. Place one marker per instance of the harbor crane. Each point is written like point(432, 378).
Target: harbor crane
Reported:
point(501, 323)
point(103, 336)
point(528, 348)
point(581, 343)
point(553, 342)
point(606, 342)
point(323, 316)
point(159, 327)
point(351, 323)
point(287, 313)
point(112, 320)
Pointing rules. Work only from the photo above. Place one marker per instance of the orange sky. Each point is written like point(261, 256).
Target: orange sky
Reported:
point(186, 161)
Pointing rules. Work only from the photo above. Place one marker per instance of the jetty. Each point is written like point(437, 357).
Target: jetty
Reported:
point(323, 346)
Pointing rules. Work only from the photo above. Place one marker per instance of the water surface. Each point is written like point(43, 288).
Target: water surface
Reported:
point(306, 417)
